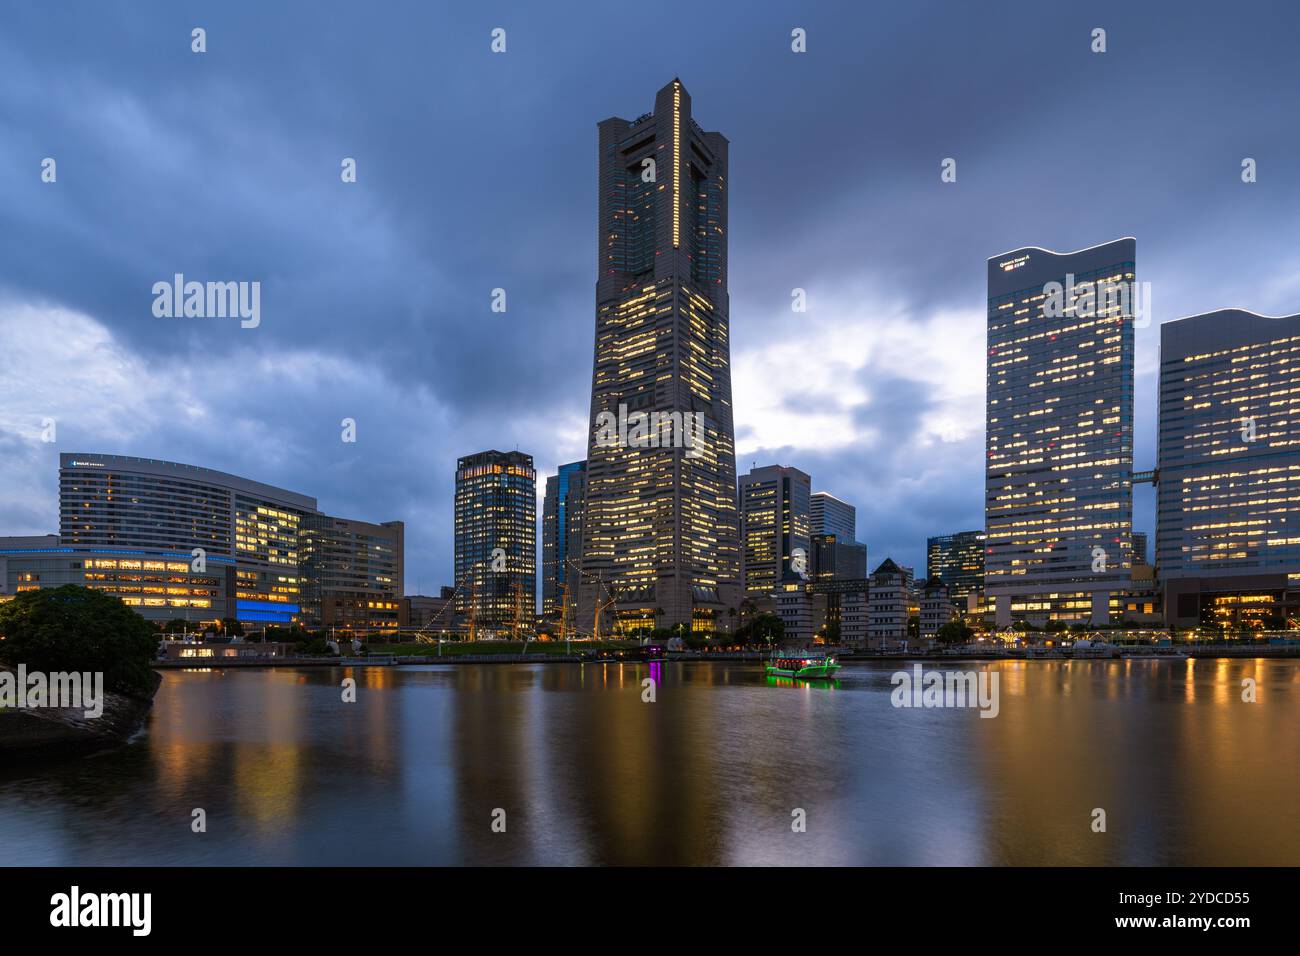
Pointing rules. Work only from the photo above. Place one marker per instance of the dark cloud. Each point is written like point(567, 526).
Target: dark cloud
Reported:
point(478, 171)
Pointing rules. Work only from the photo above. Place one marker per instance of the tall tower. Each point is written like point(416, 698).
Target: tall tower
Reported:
point(496, 540)
point(774, 529)
point(1058, 491)
point(562, 508)
point(660, 535)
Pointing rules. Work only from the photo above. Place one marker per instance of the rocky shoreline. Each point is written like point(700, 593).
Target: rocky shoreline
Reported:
point(49, 731)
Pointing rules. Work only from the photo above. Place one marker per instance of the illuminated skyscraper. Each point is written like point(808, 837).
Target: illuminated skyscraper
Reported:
point(958, 561)
point(660, 535)
point(562, 509)
point(774, 529)
point(1059, 432)
point(496, 540)
point(1228, 516)
point(832, 516)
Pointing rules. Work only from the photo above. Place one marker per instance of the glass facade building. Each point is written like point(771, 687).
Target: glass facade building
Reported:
point(830, 515)
point(1059, 433)
point(660, 534)
point(496, 541)
point(1228, 491)
point(775, 526)
point(351, 572)
point(116, 501)
point(958, 561)
point(562, 507)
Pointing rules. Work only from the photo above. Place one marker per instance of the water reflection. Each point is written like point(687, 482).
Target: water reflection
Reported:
point(709, 773)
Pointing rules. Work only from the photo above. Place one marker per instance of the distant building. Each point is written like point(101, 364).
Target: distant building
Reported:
point(936, 607)
point(1228, 493)
point(1140, 548)
point(1059, 433)
point(433, 614)
point(835, 558)
point(351, 572)
point(830, 515)
point(957, 560)
point(774, 525)
point(891, 603)
point(496, 541)
point(562, 509)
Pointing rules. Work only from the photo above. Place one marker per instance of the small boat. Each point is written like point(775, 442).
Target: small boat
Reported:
point(651, 654)
point(803, 665)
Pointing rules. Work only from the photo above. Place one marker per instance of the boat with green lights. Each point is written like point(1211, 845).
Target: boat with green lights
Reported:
point(803, 665)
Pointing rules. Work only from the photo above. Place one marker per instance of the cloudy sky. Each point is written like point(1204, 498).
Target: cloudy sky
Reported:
point(477, 170)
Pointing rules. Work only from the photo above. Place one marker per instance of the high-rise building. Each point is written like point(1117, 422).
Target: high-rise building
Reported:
point(1228, 492)
point(660, 529)
point(351, 572)
point(249, 528)
point(836, 560)
point(1059, 432)
point(830, 515)
point(1140, 548)
point(774, 529)
point(957, 560)
point(562, 509)
point(496, 541)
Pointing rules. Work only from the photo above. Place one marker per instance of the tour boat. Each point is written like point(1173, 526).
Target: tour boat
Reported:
point(804, 665)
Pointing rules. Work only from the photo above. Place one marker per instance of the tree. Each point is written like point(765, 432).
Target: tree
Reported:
point(71, 628)
point(954, 632)
point(913, 627)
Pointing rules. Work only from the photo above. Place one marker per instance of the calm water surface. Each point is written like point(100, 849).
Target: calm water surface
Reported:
point(708, 774)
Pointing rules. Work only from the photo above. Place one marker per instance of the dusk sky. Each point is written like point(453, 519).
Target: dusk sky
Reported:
point(477, 170)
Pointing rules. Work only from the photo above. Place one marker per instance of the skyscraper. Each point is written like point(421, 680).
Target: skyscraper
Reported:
point(562, 509)
point(496, 540)
point(774, 526)
point(660, 534)
point(830, 515)
point(957, 560)
point(1228, 515)
point(1059, 432)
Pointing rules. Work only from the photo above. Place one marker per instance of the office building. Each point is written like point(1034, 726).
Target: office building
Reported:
point(207, 517)
point(660, 529)
point(936, 607)
point(1228, 492)
point(830, 515)
point(958, 561)
point(160, 584)
point(562, 509)
point(351, 572)
point(496, 542)
point(774, 529)
point(891, 604)
point(1140, 556)
point(435, 615)
point(1059, 433)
